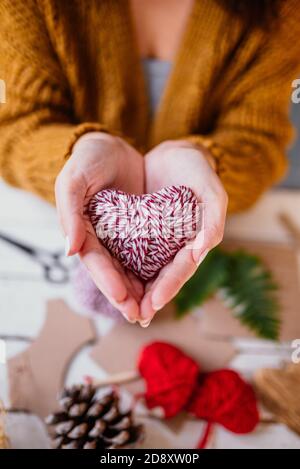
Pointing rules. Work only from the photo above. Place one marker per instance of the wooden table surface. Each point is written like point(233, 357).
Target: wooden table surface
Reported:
point(23, 293)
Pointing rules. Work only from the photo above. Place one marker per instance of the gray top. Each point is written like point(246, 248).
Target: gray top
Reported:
point(293, 179)
point(156, 75)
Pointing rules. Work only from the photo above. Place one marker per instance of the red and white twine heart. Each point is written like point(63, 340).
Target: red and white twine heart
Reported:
point(145, 232)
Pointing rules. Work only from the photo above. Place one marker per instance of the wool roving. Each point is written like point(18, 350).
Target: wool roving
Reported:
point(144, 232)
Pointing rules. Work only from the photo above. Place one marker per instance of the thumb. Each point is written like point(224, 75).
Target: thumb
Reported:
point(70, 194)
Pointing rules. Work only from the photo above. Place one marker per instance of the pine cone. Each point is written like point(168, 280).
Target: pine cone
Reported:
point(90, 421)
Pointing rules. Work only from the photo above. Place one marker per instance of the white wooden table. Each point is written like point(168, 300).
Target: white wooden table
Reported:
point(23, 293)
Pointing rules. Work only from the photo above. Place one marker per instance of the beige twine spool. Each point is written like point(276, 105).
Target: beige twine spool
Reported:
point(4, 441)
point(279, 391)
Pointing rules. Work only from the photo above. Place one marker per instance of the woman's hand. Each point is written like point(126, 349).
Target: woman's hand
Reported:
point(182, 163)
point(98, 161)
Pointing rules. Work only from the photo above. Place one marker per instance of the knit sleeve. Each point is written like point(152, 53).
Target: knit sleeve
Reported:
point(252, 128)
point(37, 123)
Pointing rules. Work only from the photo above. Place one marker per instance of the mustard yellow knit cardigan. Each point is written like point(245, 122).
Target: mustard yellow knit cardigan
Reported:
point(72, 66)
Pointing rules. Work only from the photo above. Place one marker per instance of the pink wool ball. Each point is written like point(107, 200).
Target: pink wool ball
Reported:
point(88, 295)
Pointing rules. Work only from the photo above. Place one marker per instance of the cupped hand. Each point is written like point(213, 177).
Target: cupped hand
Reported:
point(182, 163)
point(99, 161)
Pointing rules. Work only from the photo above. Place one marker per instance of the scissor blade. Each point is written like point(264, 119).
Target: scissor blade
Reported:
point(13, 242)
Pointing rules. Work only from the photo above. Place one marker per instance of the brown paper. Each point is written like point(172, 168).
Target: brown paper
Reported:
point(119, 350)
point(36, 375)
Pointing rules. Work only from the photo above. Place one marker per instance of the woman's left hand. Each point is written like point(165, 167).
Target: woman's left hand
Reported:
point(182, 163)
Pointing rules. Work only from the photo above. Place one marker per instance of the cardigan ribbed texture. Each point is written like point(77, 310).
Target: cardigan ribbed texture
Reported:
point(73, 66)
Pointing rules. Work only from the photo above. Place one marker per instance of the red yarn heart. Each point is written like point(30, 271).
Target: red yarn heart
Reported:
point(174, 383)
point(145, 232)
point(170, 377)
point(224, 397)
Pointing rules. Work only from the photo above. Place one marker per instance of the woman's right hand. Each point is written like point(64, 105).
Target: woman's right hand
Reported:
point(99, 161)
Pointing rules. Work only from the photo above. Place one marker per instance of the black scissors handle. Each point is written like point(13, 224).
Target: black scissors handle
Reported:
point(56, 273)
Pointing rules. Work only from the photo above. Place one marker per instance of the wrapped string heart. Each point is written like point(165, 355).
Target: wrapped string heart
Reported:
point(145, 232)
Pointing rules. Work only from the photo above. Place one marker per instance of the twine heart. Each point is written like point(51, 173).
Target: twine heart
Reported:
point(145, 232)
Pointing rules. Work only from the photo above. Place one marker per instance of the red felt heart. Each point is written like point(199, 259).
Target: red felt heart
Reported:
point(170, 377)
point(145, 232)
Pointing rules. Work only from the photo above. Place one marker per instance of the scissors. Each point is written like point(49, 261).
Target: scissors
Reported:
point(53, 267)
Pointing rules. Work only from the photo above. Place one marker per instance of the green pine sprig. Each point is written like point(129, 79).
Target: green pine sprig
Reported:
point(245, 285)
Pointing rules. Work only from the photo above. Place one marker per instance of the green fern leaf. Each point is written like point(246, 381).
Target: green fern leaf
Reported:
point(246, 286)
point(250, 291)
point(209, 276)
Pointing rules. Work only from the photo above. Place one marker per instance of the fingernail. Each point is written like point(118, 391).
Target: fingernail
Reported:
point(157, 308)
point(145, 323)
point(132, 321)
point(202, 257)
point(67, 245)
